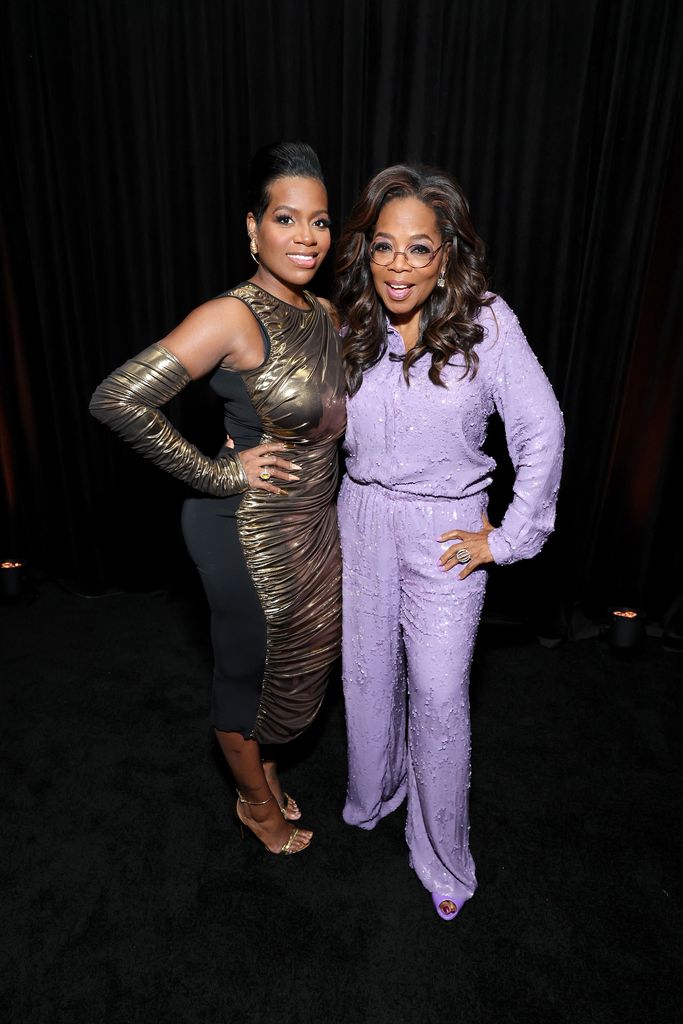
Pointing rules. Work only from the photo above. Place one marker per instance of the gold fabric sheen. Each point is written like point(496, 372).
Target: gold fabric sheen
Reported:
point(290, 541)
point(128, 401)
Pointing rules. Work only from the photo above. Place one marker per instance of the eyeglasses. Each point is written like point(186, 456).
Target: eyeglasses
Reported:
point(417, 255)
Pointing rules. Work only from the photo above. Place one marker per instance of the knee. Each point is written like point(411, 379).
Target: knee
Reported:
point(439, 698)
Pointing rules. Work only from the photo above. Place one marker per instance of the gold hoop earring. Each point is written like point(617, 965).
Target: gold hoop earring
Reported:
point(253, 250)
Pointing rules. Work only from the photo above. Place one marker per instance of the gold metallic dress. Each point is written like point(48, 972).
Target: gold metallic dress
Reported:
point(270, 564)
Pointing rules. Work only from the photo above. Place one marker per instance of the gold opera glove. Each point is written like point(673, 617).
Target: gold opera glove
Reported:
point(128, 401)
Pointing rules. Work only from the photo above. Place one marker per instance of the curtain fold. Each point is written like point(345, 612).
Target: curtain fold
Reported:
point(129, 128)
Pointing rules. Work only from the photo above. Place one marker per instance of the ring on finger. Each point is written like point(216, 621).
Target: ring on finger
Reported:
point(265, 473)
point(463, 556)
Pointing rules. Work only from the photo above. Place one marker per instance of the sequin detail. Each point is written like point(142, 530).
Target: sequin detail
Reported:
point(427, 440)
point(408, 636)
point(416, 469)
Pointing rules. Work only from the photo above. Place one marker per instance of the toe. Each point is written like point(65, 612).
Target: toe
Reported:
point(292, 811)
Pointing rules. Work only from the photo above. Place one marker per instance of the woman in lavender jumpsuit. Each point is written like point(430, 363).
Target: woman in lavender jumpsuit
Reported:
point(429, 354)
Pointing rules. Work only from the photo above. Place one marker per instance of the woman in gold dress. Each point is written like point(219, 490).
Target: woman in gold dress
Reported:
point(265, 541)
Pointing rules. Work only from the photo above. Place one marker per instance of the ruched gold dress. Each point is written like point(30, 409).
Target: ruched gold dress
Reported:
point(270, 564)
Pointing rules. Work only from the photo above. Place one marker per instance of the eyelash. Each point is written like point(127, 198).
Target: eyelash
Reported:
point(285, 218)
point(384, 246)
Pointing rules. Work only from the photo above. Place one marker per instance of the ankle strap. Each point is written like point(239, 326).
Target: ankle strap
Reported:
point(253, 803)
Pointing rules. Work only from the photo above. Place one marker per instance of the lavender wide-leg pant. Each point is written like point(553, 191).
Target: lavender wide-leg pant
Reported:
point(408, 636)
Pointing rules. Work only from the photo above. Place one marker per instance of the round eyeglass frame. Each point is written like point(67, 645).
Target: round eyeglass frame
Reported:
point(406, 257)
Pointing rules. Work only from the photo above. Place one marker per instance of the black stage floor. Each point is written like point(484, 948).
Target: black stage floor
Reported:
point(129, 896)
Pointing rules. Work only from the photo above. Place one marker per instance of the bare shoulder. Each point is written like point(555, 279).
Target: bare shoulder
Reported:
point(330, 309)
point(225, 314)
point(220, 330)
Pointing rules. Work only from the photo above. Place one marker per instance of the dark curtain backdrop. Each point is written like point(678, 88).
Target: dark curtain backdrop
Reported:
point(127, 130)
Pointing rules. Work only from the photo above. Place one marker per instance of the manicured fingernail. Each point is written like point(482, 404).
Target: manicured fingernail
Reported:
point(292, 477)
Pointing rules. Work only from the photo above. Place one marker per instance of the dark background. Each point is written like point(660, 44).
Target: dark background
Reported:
point(127, 131)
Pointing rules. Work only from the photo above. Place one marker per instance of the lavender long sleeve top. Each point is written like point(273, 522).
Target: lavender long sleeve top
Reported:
point(426, 440)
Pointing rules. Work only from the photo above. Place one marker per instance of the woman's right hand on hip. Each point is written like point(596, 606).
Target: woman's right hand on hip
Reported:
point(262, 465)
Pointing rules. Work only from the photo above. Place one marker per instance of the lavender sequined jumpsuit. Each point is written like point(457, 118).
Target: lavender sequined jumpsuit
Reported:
point(415, 469)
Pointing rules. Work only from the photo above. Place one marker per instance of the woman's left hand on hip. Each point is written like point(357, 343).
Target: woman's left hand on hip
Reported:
point(470, 550)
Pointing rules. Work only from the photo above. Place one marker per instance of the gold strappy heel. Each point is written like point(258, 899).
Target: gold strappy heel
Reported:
point(286, 847)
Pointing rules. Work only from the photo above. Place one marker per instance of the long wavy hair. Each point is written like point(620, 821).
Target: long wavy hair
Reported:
point(448, 324)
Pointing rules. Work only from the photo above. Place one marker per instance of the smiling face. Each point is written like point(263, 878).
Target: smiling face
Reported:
point(403, 224)
point(293, 236)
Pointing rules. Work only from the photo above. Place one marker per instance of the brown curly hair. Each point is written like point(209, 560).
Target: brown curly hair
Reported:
point(447, 319)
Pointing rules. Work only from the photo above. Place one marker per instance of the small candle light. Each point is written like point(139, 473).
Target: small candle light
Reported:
point(10, 578)
point(626, 627)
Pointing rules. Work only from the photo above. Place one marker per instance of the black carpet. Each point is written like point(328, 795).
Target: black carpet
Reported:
point(129, 897)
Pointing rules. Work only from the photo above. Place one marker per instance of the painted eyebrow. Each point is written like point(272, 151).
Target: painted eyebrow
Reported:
point(293, 209)
point(413, 238)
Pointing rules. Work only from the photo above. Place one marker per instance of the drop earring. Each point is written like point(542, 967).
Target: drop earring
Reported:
point(253, 250)
point(441, 283)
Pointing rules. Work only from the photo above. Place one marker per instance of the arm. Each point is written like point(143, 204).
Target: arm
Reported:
point(534, 431)
point(129, 399)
